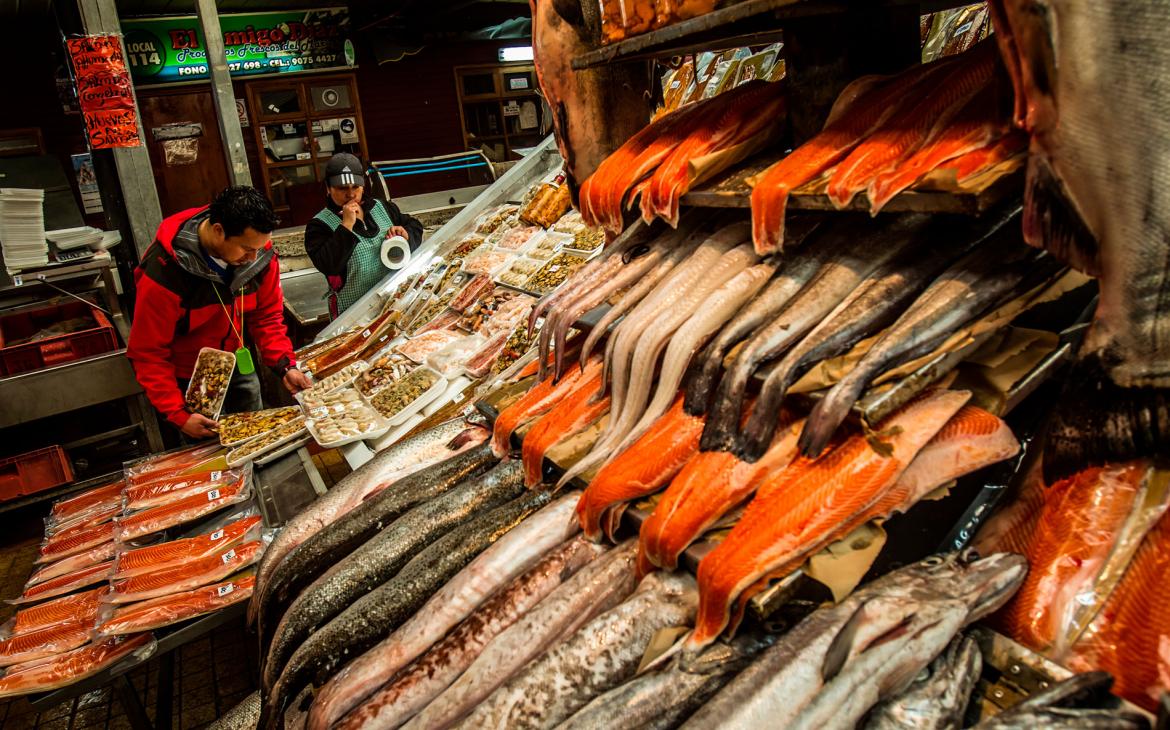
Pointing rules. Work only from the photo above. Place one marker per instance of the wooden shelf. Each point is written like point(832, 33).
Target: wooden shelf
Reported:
point(730, 190)
point(735, 26)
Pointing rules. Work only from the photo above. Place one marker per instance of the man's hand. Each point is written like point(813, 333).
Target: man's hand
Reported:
point(397, 231)
point(199, 426)
point(296, 381)
point(351, 212)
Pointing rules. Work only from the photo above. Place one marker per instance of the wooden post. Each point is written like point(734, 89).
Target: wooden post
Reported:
point(135, 174)
point(223, 95)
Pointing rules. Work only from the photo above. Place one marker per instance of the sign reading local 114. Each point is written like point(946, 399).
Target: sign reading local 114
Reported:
point(163, 50)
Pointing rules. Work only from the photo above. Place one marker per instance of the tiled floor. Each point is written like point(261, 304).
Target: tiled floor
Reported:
point(212, 674)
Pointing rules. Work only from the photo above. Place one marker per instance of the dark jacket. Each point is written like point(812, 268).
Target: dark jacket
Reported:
point(177, 313)
point(330, 250)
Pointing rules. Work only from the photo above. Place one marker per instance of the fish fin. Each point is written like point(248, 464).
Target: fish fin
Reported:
point(613, 520)
point(1099, 422)
point(842, 645)
point(1052, 222)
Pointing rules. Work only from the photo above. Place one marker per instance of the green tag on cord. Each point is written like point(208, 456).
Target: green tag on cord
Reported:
point(244, 361)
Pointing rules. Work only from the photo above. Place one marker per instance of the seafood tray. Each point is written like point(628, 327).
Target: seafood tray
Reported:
point(570, 223)
point(517, 344)
point(342, 377)
point(491, 220)
point(236, 428)
point(344, 417)
point(519, 237)
point(549, 245)
point(408, 396)
point(420, 348)
point(387, 369)
point(554, 273)
point(279, 436)
point(469, 243)
point(487, 261)
point(450, 359)
point(519, 271)
point(209, 382)
point(586, 241)
point(498, 235)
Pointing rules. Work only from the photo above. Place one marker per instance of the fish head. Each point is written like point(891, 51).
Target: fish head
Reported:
point(987, 583)
point(933, 625)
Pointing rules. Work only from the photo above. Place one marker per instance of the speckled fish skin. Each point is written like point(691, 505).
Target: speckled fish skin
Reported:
point(372, 617)
point(937, 701)
point(379, 559)
point(412, 454)
point(340, 538)
point(424, 680)
point(600, 656)
point(494, 568)
point(241, 717)
point(597, 588)
point(664, 697)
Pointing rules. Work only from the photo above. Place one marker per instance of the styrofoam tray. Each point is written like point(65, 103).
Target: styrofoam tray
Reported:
point(380, 428)
point(270, 449)
point(291, 446)
point(359, 366)
point(420, 402)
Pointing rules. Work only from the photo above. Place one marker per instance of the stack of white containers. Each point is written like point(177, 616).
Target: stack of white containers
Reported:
point(22, 228)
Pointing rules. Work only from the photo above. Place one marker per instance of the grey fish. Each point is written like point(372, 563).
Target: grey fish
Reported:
point(243, 716)
point(862, 250)
point(870, 308)
point(379, 612)
point(980, 280)
point(665, 696)
point(340, 538)
point(938, 699)
point(1081, 702)
point(598, 587)
point(393, 463)
point(379, 559)
point(787, 676)
point(602, 654)
point(417, 685)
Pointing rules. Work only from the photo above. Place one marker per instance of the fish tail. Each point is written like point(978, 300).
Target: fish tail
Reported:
point(719, 433)
point(824, 419)
point(765, 418)
point(769, 204)
point(1052, 223)
point(1099, 422)
point(612, 520)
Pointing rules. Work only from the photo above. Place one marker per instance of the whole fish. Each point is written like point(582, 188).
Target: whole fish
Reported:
point(412, 689)
point(410, 455)
point(938, 699)
point(494, 568)
point(597, 588)
point(342, 536)
point(379, 612)
point(601, 655)
point(665, 696)
point(1096, 197)
point(980, 280)
point(865, 251)
point(1077, 702)
point(380, 559)
point(784, 678)
point(243, 716)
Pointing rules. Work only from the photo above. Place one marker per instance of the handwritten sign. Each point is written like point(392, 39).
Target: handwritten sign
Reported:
point(104, 91)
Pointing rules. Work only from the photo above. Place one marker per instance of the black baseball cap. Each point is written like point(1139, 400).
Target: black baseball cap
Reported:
point(344, 169)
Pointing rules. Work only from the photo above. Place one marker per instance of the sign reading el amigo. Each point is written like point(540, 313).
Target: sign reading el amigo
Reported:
point(163, 50)
point(104, 92)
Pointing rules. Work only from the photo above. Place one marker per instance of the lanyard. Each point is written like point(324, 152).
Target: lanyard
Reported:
point(232, 315)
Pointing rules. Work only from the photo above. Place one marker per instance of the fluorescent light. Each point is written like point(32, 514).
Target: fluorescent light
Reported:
point(516, 53)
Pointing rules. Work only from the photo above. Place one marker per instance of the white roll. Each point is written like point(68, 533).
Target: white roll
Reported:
point(397, 260)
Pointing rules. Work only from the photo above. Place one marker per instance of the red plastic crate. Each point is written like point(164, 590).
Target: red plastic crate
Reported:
point(34, 472)
point(54, 350)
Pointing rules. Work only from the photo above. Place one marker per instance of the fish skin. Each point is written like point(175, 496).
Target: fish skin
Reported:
point(987, 275)
point(69, 667)
point(243, 716)
point(601, 655)
point(412, 454)
point(938, 700)
point(784, 677)
point(609, 267)
point(191, 575)
point(411, 691)
point(379, 612)
point(493, 569)
point(333, 542)
point(664, 697)
point(383, 556)
point(851, 263)
point(166, 610)
point(809, 504)
point(641, 469)
point(539, 400)
point(175, 552)
point(595, 589)
point(576, 410)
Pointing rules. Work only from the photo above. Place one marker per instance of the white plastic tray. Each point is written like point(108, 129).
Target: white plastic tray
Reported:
point(396, 432)
point(420, 402)
point(380, 428)
point(270, 449)
point(359, 367)
point(291, 446)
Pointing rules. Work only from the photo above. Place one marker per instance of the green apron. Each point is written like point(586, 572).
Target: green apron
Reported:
point(365, 267)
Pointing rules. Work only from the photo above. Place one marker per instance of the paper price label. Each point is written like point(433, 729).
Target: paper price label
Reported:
point(229, 556)
point(224, 590)
point(217, 535)
point(556, 267)
point(366, 334)
point(17, 280)
point(213, 495)
point(215, 475)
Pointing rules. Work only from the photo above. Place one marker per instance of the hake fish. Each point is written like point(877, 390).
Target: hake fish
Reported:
point(601, 655)
point(936, 700)
point(597, 588)
point(407, 456)
point(494, 568)
point(379, 559)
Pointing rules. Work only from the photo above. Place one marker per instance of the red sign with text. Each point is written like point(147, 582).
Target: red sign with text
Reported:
point(104, 91)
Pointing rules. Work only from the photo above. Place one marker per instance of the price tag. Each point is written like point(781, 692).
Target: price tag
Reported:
point(229, 556)
point(213, 495)
point(225, 590)
point(215, 475)
point(458, 397)
point(217, 535)
point(554, 268)
point(17, 280)
point(366, 334)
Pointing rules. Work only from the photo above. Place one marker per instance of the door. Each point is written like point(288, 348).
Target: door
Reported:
point(186, 153)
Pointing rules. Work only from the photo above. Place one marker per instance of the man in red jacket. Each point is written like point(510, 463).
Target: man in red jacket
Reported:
point(210, 279)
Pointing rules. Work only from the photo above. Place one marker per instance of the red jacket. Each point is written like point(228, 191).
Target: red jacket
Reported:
point(177, 313)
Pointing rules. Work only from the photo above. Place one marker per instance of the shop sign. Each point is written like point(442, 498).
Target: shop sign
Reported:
point(104, 91)
point(165, 50)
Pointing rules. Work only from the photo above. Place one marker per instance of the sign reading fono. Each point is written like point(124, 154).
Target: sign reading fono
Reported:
point(165, 50)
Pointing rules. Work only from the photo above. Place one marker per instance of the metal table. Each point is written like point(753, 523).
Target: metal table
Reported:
point(304, 296)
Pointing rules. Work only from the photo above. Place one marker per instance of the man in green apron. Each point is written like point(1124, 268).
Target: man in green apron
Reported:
point(344, 240)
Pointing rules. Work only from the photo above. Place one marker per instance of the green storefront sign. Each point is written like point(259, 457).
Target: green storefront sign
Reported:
point(164, 50)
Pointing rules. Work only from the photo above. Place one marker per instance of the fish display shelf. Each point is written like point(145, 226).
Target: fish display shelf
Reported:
point(735, 25)
point(935, 194)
